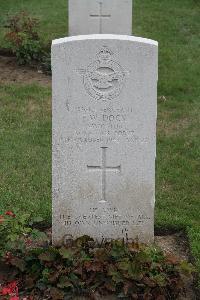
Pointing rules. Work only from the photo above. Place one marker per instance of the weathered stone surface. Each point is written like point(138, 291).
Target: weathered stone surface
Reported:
point(100, 16)
point(104, 137)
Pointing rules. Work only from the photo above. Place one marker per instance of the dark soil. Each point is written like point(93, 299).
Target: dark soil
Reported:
point(177, 245)
point(11, 72)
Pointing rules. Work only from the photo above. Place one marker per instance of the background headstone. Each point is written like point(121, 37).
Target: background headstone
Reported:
point(104, 137)
point(100, 16)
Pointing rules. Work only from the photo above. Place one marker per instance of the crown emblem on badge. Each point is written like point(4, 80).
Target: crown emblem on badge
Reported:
point(104, 78)
point(105, 53)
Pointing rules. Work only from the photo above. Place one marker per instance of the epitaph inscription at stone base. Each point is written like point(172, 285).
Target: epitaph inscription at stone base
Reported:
point(100, 16)
point(104, 137)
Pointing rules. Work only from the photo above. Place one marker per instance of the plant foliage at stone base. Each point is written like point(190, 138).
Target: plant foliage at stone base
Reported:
point(130, 271)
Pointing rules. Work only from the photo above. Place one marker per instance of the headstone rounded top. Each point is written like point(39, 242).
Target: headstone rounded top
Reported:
point(105, 37)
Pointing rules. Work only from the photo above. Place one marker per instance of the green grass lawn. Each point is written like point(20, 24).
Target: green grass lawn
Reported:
point(25, 150)
point(25, 116)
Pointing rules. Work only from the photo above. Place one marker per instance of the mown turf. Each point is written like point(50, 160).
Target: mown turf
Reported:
point(26, 122)
point(25, 151)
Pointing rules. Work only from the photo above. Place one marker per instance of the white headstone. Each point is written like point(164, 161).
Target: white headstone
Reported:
point(104, 137)
point(100, 16)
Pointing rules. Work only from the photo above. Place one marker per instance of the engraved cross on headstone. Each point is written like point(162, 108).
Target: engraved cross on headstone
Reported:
point(100, 16)
point(104, 168)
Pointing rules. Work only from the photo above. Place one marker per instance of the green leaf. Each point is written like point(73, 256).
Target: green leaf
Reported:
point(124, 264)
point(56, 294)
point(66, 253)
point(47, 256)
point(160, 280)
point(134, 271)
point(118, 249)
point(45, 273)
point(73, 277)
point(36, 220)
point(19, 263)
point(143, 257)
point(187, 268)
point(115, 274)
point(64, 282)
point(40, 285)
point(39, 236)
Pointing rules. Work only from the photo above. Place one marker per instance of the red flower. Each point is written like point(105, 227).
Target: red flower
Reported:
point(10, 213)
point(5, 291)
point(11, 289)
